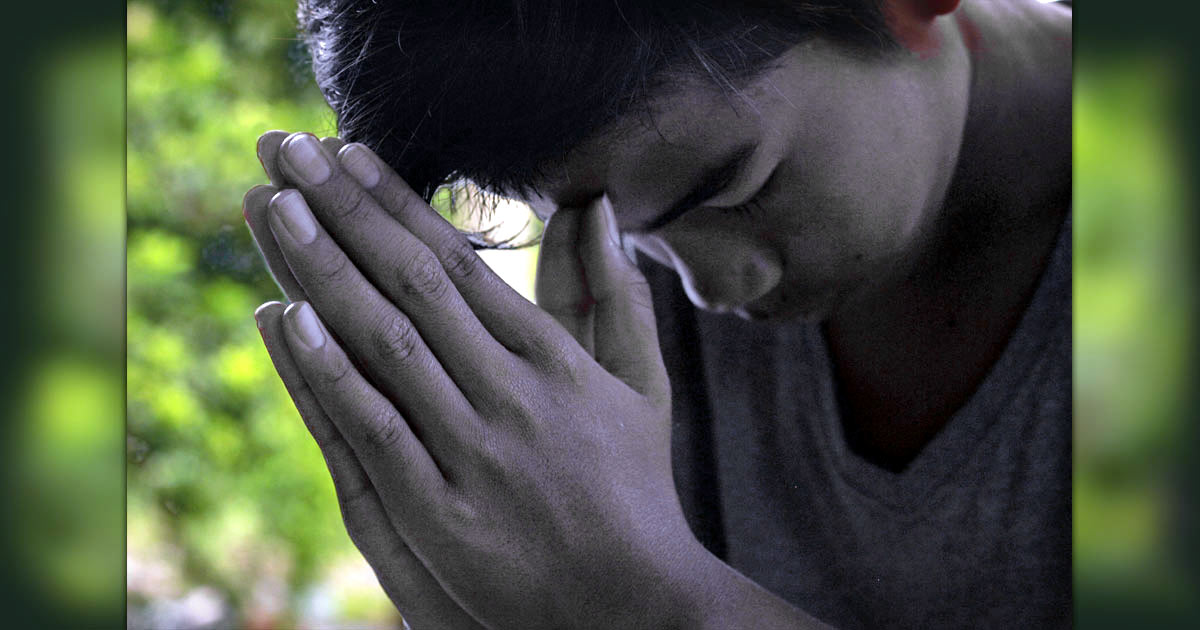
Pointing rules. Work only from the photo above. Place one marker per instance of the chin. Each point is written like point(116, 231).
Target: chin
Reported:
point(779, 306)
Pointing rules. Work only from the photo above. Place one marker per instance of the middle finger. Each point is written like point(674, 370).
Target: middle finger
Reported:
point(402, 267)
point(384, 339)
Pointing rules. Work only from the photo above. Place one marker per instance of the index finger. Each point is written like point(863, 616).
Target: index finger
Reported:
point(561, 286)
point(254, 209)
point(513, 320)
point(397, 263)
point(268, 154)
point(268, 150)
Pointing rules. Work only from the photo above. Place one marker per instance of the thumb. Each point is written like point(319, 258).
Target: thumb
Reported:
point(625, 336)
point(560, 288)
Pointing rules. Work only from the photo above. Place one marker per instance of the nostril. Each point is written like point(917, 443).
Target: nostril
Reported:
point(720, 276)
point(702, 294)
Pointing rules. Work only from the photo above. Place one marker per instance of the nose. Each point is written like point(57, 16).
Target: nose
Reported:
point(719, 272)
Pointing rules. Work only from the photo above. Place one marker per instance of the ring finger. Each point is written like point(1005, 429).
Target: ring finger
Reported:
point(382, 337)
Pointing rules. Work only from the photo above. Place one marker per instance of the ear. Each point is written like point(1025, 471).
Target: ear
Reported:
point(911, 22)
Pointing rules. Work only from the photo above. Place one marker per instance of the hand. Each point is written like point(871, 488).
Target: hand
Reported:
point(410, 586)
point(528, 476)
point(254, 210)
point(414, 592)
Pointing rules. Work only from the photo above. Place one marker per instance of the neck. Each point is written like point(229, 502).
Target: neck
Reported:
point(1015, 161)
point(910, 354)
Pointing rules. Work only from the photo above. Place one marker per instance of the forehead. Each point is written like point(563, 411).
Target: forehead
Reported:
point(661, 140)
point(694, 116)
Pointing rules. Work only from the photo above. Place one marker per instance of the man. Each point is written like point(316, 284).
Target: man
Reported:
point(890, 446)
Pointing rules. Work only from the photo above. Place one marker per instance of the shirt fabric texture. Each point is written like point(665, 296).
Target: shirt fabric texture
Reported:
point(974, 532)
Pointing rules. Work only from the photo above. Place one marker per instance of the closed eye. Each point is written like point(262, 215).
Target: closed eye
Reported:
point(754, 204)
point(712, 181)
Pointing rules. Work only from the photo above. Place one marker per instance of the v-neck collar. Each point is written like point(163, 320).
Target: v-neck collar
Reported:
point(964, 433)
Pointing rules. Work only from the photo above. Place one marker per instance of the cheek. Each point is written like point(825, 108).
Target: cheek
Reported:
point(839, 231)
point(837, 244)
point(848, 213)
point(877, 162)
point(719, 270)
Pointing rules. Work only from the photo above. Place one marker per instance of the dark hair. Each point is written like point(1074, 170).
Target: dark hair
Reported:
point(494, 90)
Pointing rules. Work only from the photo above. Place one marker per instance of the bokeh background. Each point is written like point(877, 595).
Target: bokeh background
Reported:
point(1137, 478)
point(232, 518)
point(175, 484)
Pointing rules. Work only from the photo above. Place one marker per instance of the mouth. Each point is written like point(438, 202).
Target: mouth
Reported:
point(781, 306)
point(764, 308)
point(753, 314)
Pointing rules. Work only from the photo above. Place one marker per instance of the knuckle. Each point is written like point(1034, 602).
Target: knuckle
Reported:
point(349, 203)
point(496, 457)
point(354, 498)
point(460, 514)
point(386, 432)
point(512, 407)
point(422, 278)
point(401, 202)
point(353, 502)
point(321, 429)
point(396, 340)
point(561, 361)
point(339, 373)
point(460, 260)
point(331, 271)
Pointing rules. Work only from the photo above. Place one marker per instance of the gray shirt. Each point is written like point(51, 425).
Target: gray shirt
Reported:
point(975, 532)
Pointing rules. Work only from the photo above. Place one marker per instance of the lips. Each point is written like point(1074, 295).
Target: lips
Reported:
point(779, 306)
point(767, 307)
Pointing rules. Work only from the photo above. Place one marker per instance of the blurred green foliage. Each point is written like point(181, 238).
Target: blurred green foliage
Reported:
point(232, 517)
point(63, 439)
point(1135, 317)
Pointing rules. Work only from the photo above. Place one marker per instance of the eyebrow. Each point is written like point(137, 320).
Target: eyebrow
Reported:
point(711, 181)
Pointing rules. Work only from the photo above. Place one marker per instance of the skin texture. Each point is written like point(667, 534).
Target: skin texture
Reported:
point(469, 420)
point(838, 215)
point(508, 466)
point(904, 198)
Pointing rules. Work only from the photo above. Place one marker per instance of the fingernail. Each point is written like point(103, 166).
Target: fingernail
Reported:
point(290, 209)
point(258, 313)
point(258, 145)
point(307, 327)
point(357, 161)
point(610, 221)
point(307, 157)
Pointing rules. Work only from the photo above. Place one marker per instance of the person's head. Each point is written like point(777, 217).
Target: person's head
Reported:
point(561, 101)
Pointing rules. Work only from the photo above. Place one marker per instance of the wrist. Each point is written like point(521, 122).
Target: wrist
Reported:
point(659, 590)
point(711, 595)
point(693, 591)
